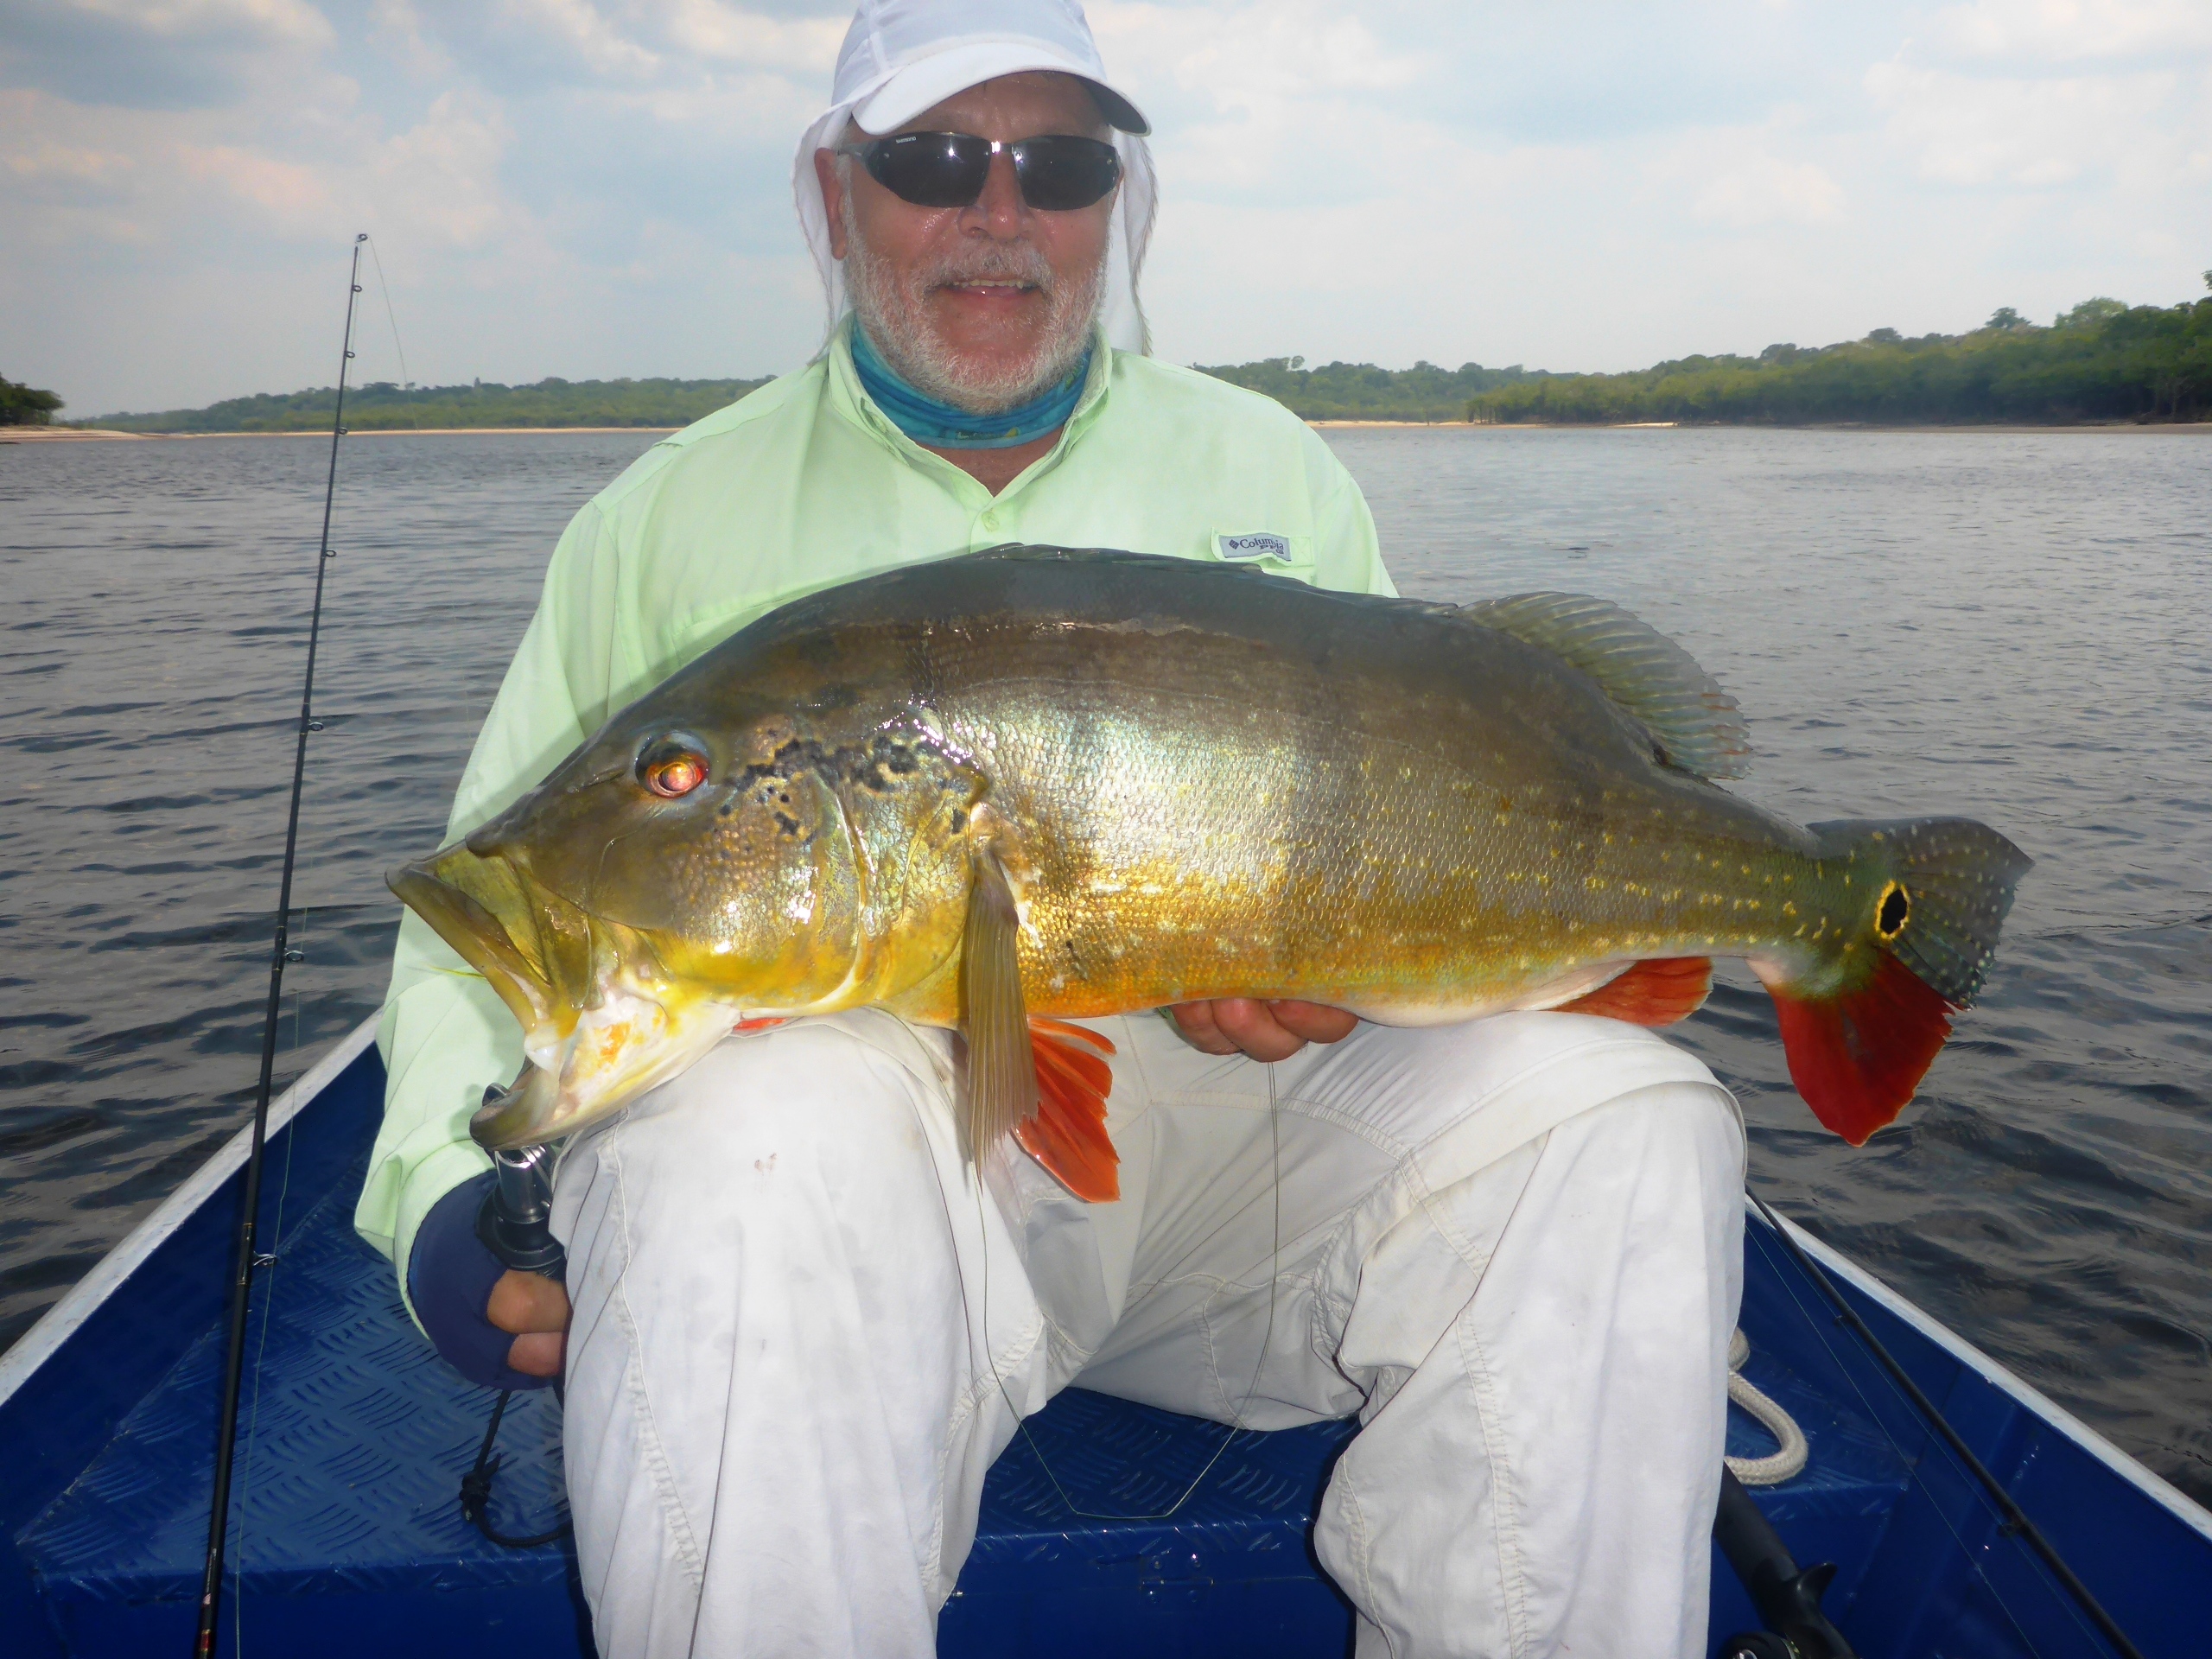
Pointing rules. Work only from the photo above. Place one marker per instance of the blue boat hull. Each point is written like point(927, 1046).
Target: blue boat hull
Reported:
point(347, 1540)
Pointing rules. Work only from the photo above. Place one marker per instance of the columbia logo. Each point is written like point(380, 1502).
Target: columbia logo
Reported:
point(1253, 547)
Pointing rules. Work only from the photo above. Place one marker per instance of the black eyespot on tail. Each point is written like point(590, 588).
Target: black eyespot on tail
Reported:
point(1896, 908)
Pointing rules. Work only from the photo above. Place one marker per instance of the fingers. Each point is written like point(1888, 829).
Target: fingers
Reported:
point(537, 1309)
point(1196, 1021)
point(528, 1302)
point(1265, 1031)
point(1252, 1025)
point(537, 1354)
point(1313, 1022)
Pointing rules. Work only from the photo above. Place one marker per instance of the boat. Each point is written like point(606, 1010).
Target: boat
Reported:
point(348, 1536)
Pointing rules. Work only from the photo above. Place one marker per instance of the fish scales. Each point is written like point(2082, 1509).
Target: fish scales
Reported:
point(1094, 782)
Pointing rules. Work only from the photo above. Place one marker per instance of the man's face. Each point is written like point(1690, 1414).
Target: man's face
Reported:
point(986, 305)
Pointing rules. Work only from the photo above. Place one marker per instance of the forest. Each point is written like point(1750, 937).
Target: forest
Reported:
point(22, 405)
point(1360, 391)
point(2101, 361)
point(384, 406)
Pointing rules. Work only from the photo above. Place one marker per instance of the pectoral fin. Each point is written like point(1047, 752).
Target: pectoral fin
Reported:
point(1658, 992)
point(1002, 1074)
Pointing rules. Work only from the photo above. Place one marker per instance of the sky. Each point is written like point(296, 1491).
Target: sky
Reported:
point(602, 188)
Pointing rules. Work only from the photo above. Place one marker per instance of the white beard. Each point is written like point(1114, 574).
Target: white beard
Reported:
point(892, 305)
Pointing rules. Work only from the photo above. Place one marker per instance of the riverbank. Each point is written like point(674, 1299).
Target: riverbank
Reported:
point(52, 434)
point(71, 433)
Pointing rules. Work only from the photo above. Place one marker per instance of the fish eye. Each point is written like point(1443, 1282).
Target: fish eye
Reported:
point(1890, 914)
point(672, 768)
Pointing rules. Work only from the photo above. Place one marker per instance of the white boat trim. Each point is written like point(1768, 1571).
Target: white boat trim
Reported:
point(2176, 1503)
point(60, 1322)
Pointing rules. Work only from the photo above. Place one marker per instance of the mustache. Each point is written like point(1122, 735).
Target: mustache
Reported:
point(1006, 261)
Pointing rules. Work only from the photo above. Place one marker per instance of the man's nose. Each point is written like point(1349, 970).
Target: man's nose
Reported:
point(998, 211)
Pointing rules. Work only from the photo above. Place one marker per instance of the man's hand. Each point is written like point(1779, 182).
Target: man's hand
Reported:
point(1266, 1031)
point(536, 1308)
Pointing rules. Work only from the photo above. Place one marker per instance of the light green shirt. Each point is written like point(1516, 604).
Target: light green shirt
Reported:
point(801, 485)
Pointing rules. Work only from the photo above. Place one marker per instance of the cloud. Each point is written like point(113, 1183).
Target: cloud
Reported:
point(2073, 31)
point(757, 40)
point(576, 26)
point(155, 53)
point(2130, 128)
point(1761, 189)
point(601, 187)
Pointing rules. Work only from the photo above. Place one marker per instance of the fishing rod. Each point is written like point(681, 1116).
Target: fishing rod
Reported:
point(280, 953)
point(2015, 1519)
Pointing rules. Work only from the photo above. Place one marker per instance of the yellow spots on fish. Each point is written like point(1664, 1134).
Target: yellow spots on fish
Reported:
point(1594, 883)
point(1789, 908)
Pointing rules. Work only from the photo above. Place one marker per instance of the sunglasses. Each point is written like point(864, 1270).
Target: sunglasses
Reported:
point(1058, 173)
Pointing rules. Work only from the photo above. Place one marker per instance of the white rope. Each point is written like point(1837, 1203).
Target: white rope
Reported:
point(1791, 1458)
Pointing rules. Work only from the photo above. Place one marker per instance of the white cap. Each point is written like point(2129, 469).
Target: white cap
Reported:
point(901, 57)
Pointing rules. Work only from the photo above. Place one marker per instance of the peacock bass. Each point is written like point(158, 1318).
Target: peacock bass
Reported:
point(1002, 790)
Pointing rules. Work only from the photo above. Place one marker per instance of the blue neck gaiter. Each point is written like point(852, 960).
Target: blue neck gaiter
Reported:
point(925, 420)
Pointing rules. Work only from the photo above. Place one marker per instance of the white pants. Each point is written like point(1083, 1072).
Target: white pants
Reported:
point(1512, 1249)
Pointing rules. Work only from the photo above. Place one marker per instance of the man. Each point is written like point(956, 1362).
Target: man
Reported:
point(802, 1330)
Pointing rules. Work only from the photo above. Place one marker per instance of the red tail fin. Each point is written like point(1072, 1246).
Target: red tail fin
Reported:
point(1655, 993)
point(1857, 1058)
point(1068, 1135)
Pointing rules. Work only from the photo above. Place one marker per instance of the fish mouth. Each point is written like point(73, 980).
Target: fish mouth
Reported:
point(483, 908)
point(601, 1021)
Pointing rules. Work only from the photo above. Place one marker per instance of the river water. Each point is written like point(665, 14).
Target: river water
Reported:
point(2011, 626)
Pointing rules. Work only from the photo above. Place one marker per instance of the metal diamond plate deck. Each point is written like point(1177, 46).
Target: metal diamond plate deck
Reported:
point(354, 1437)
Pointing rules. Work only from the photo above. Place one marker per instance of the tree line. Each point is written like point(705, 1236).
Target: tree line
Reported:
point(1360, 391)
point(22, 405)
point(2101, 361)
point(385, 406)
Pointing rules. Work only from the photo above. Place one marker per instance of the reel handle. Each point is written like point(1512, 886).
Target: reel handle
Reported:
point(513, 1221)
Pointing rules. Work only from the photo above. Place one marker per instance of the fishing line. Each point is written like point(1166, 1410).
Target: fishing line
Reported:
point(1963, 1458)
point(2015, 1519)
point(404, 379)
point(1911, 1463)
point(281, 952)
point(1237, 1426)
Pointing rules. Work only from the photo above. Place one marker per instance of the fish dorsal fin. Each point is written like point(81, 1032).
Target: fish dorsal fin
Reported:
point(1648, 676)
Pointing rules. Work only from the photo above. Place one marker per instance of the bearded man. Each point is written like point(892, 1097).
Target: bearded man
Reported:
point(802, 1328)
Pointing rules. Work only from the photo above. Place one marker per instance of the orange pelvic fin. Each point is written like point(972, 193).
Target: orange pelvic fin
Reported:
point(765, 1022)
point(1857, 1058)
point(1655, 993)
point(1068, 1134)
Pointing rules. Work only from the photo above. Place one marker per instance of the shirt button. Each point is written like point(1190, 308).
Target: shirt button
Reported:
point(990, 521)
